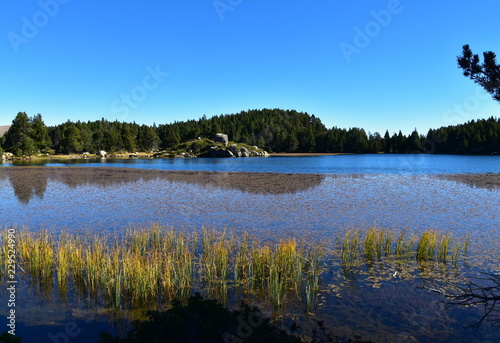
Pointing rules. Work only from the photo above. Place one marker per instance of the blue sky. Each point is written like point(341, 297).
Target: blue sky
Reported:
point(372, 64)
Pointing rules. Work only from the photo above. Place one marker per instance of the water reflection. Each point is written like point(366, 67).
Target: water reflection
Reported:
point(489, 181)
point(28, 182)
point(26, 186)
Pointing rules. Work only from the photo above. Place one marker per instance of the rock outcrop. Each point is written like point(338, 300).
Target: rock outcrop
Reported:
point(7, 156)
point(217, 152)
point(240, 151)
point(237, 151)
point(221, 138)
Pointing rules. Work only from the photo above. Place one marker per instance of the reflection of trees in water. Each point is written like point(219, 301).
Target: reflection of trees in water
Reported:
point(481, 291)
point(487, 180)
point(27, 186)
point(29, 181)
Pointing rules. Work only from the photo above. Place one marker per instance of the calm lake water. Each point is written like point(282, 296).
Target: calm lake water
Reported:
point(353, 191)
point(343, 164)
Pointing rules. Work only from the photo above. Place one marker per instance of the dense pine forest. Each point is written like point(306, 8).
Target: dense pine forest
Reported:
point(274, 130)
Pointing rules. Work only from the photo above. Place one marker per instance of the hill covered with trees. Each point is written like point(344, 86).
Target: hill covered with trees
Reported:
point(274, 130)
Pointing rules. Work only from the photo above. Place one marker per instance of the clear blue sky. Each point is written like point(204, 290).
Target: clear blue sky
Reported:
point(372, 64)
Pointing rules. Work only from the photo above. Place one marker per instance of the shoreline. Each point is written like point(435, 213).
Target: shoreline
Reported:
point(150, 155)
point(140, 155)
point(305, 154)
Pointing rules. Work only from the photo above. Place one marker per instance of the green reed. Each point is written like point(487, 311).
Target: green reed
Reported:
point(4, 247)
point(351, 250)
point(155, 265)
point(216, 252)
point(376, 242)
point(242, 266)
point(427, 247)
point(283, 270)
point(36, 252)
point(404, 246)
point(313, 269)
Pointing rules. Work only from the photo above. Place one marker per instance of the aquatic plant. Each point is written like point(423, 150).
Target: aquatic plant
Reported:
point(404, 246)
point(428, 247)
point(36, 251)
point(351, 250)
point(152, 265)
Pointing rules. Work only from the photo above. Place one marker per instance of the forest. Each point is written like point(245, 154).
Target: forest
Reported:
point(275, 130)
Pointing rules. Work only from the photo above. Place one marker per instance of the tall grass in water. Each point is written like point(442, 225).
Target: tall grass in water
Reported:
point(376, 242)
point(313, 270)
point(64, 261)
point(351, 250)
point(286, 270)
point(284, 266)
point(4, 248)
point(36, 253)
point(215, 263)
point(459, 249)
point(428, 247)
point(242, 266)
point(260, 265)
point(157, 265)
point(404, 246)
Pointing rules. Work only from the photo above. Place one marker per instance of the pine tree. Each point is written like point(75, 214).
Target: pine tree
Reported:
point(39, 133)
point(128, 139)
point(487, 75)
point(72, 139)
point(18, 138)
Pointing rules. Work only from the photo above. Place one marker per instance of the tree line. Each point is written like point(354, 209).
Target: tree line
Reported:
point(274, 130)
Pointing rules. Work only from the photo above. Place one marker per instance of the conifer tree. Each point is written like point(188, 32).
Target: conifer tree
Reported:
point(487, 74)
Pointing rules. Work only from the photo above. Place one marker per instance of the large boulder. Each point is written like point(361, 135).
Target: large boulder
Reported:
point(235, 150)
point(215, 152)
point(245, 152)
point(221, 138)
point(7, 156)
point(103, 153)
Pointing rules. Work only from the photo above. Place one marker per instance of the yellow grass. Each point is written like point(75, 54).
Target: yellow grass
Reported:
point(153, 264)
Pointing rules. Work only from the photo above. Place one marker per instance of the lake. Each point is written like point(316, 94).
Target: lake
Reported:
point(312, 198)
point(342, 164)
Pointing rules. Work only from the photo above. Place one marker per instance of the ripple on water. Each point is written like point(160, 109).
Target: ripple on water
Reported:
point(392, 312)
point(337, 202)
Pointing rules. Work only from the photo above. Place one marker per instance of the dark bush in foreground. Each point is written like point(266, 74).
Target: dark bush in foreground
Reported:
point(208, 321)
point(8, 338)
